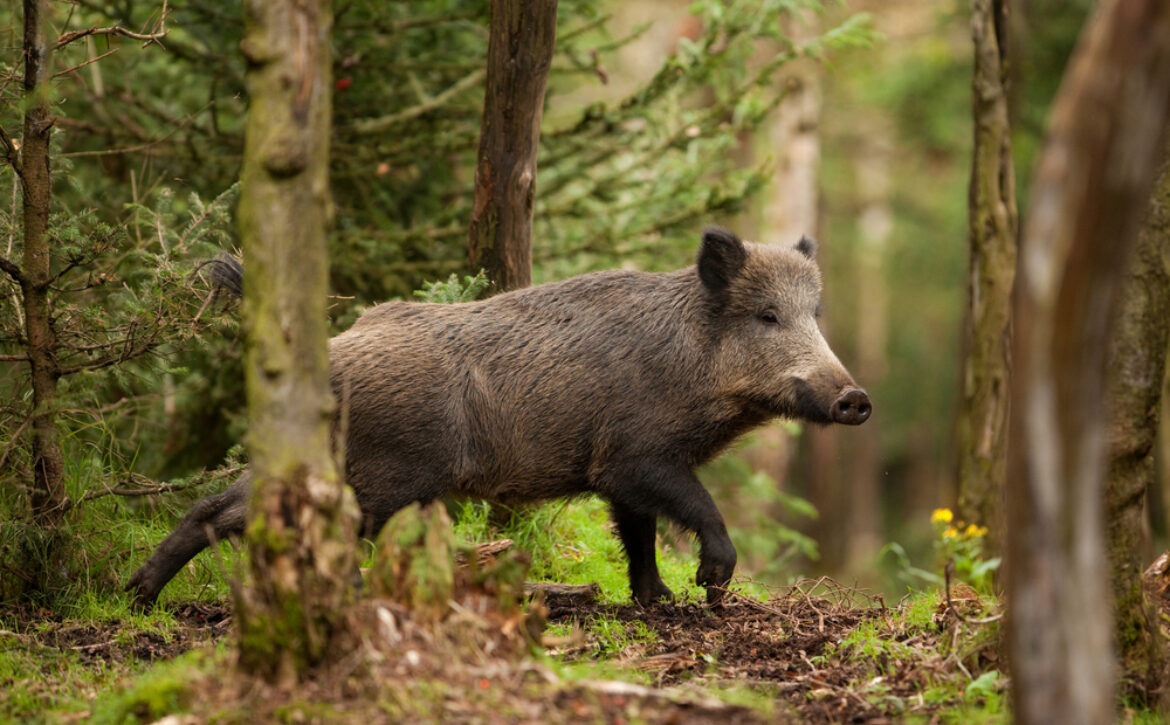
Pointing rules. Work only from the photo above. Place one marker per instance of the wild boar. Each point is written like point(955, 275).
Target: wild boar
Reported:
point(615, 383)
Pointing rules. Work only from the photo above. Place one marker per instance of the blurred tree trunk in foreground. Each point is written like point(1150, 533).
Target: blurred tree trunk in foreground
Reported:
point(993, 227)
point(301, 521)
point(520, 50)
point(1137, 369)
point(1092, 182)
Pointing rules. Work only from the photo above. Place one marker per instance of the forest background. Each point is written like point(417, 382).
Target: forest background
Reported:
point(852, 124)
point(864, 143)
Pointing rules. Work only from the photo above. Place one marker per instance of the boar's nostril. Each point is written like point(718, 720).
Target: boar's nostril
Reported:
point(852, 408)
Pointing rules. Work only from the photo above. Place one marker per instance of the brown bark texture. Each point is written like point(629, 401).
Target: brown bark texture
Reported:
point(1136, 371)
point(1092, 183)
point(301, 521)
point(48, 492)
point(993, 227)
point(520, 49)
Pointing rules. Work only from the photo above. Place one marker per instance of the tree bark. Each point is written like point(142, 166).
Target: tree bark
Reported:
point(520, 49)
point(48, 492)
point(993, 223)
point(1137, 368)
point(302, 520)
point(875, 224)
point(1092, 181)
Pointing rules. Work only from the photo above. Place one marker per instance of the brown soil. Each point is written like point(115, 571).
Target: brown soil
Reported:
point(475, 666)
point(774, 647)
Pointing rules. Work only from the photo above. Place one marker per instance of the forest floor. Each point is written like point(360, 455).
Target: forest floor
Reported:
point(813, 653)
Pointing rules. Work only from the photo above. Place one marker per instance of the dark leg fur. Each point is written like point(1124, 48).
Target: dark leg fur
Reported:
point(637, 533)
point(675, 492)
point(224, 515)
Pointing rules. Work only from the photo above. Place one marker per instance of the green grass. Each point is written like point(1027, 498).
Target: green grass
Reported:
point(160, 690)
point(573, 542)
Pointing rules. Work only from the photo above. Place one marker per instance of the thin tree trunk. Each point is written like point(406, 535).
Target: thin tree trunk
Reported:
point(1138, 355)
point(302, 520)
point(1092, 182)
point(48, 493)
point(863, 534)
point(520, 50)
point(993, 223)
point(791, 207)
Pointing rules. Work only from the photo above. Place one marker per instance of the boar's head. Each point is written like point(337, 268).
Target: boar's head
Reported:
point(769, 354)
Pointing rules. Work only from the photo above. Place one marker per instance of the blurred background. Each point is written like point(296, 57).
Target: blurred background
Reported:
point(850, 122)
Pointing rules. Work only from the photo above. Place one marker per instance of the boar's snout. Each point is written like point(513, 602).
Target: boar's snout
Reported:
point(852, 408)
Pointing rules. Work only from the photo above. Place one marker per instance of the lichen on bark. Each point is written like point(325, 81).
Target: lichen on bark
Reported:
point(301, 520)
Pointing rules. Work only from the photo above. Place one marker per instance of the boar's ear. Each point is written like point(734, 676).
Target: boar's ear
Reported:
point(807, 246)
point(720, 258)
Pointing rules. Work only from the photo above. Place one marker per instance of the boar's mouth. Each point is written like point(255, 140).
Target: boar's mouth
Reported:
point(807, 405)
point(801, 403)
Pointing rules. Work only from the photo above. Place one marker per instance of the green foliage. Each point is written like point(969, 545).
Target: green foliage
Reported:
point(454, 290)
point(571, 542)
point(909, 637)
point(623, 181)
point(105, 535)
point(160, 691)
point(961, 547)
point(956, 545)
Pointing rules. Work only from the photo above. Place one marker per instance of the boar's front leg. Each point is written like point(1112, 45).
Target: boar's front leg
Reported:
point(674, 490)
point(637, 532)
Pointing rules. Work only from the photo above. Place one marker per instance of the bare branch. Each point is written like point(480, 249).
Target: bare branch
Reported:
point(374, 125)
point(79, 66)
point(141, 147)
point(14, 358)
point(147, 38)
point(148, 487)
point(13, 441)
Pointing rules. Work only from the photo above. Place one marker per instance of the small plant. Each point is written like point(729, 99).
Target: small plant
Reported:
point(454, 290)
point(962, 545)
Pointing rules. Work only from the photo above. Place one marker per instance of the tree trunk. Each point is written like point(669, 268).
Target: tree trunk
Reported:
point(1092, 181)
point(48, 493)
point(1138, 355)
point(790, 207)
point(302, 520)
point(993, 222)
point(863, 534)
point(520, 50)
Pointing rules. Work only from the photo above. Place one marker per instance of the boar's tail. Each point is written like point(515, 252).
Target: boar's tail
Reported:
point(225, 273)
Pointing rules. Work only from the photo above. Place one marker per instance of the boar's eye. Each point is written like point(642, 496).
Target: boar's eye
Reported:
point(819, 310)
point(769, 317)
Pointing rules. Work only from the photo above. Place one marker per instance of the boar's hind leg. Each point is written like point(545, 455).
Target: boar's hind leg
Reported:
point(674, 490)
point(222, 515)
point(637, 533)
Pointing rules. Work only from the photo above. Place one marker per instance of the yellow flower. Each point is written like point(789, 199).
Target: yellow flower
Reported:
point(941, 516)
point(951, 533)
point(973, 531)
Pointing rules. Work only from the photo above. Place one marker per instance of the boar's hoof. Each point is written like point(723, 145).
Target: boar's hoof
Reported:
point(715, 574)
point(657, 592)
point(852, 408)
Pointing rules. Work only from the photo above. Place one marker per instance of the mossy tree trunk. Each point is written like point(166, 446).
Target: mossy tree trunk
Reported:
point(520, 49)
point(34, 275)
point(302, 520)
point(1092, 183)
point(1138, 355)
point(993, 228)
